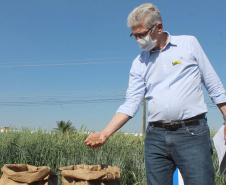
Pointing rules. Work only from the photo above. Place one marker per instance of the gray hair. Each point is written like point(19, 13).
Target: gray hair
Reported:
point(146, 12)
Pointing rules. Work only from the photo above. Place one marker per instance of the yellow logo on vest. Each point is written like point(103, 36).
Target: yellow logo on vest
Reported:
point(176, 62)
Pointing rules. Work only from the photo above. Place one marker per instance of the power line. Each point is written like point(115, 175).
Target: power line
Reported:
point(68, 64)
point(78, 91)
point(62, 62)
point(60, 102)
point(63, 94)
point(59, 97)
point(74, 97)
point(54, 97)
point(97, 59)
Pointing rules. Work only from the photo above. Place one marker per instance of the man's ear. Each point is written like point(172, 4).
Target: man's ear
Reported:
point(159, 27)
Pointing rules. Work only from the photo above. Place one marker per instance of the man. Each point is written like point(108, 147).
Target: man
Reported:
point(169, 73)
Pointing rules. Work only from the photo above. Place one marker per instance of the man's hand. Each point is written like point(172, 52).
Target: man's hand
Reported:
point(222, 107)
point(96, 140)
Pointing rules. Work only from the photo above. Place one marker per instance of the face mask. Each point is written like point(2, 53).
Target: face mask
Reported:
point(147, 43)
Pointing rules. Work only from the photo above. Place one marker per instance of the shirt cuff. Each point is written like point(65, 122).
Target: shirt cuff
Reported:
point(126, 110)
point(219, 99)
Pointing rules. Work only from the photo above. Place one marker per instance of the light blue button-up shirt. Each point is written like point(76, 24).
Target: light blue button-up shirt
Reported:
point(171, 79)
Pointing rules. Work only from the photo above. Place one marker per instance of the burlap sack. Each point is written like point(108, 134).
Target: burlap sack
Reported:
point(21, 174)
point(90, 175)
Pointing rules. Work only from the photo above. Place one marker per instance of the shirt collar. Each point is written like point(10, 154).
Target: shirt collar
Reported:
point(170, 41)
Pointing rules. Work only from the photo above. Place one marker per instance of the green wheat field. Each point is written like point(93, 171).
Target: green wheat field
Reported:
point(54, 149)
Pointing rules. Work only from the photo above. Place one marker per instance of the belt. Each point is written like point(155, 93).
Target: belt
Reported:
point(174, 125)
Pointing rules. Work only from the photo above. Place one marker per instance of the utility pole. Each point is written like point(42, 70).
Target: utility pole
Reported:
point(144, 116)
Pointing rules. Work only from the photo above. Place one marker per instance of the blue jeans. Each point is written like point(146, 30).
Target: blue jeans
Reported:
point(188, 148)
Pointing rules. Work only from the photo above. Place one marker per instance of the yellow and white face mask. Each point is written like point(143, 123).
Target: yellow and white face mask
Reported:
point(146, 43)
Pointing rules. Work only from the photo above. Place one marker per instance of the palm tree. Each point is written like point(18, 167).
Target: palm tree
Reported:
point(65, 127)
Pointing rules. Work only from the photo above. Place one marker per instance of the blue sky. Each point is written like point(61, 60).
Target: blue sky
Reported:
point(70, 60)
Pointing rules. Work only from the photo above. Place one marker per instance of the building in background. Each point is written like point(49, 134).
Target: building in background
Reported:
point(5, 129)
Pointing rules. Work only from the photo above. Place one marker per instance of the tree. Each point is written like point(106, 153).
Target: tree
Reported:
point(65, 127)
